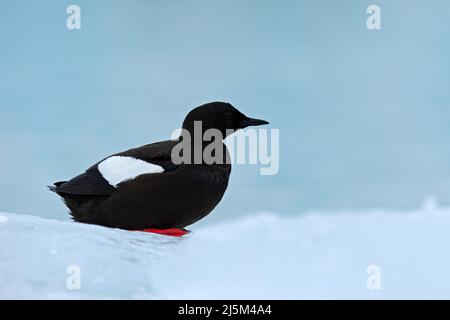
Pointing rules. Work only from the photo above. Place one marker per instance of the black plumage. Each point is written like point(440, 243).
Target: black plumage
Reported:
point(175, 198)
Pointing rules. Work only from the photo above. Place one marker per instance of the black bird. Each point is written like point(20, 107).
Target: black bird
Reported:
point(144, 187)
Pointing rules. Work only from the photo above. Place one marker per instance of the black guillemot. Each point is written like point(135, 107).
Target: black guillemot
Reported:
point(145, 189)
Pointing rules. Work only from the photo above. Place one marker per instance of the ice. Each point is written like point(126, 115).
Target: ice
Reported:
point(315, 255)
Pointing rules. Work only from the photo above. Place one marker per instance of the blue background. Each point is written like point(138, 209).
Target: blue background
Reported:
point(363, 115)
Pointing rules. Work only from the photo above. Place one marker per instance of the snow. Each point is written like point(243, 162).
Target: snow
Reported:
point(316, 255)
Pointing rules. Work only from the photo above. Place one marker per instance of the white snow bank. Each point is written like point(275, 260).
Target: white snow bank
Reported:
point(267, 256)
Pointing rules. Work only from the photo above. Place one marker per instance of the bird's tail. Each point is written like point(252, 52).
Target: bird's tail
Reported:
point(79, 205)
point(55, 186)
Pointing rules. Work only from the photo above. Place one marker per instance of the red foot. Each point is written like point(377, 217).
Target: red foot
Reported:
point(174, 232)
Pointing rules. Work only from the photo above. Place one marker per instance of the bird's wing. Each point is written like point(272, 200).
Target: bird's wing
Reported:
point(102, 178)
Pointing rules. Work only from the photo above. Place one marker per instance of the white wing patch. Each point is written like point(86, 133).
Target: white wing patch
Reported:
point(117, 169)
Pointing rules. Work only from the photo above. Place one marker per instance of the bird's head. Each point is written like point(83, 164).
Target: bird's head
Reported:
point(219, 115)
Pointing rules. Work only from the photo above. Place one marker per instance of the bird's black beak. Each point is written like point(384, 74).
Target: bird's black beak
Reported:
point(248, 122)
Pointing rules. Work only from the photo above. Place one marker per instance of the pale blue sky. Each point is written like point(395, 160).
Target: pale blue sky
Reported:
point(364, 116)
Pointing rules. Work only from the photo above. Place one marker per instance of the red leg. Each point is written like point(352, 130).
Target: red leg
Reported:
point(174, 232)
